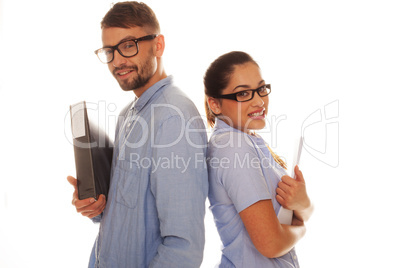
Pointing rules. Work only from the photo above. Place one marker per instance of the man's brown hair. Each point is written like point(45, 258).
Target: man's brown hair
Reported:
point(131, 14)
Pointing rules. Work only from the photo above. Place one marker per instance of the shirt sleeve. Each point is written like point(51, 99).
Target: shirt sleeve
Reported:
point(236, 167)
point(97, 219)
point(179, 183)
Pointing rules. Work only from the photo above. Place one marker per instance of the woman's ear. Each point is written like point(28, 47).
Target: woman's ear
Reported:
point(214, 105)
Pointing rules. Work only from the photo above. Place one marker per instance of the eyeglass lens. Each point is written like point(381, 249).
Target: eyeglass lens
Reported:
point(247, 95)
point(126, 49)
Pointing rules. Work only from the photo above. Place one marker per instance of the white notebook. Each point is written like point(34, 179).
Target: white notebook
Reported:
point(285, 215)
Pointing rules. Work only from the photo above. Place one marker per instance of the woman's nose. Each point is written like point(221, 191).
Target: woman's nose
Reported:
point(257, 100)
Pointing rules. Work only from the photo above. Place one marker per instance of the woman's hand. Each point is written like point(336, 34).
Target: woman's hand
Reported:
point(292, 194)
point(296, 221)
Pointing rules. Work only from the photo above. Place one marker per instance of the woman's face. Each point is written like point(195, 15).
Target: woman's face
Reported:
point(247, 115)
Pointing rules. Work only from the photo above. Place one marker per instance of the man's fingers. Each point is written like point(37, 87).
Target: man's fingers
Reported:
point(95, 212)
point(72, 181)
point(82, 204)
point(89, 204)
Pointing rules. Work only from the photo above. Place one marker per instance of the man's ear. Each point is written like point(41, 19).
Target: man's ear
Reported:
point(160, 45)
point(214, 105)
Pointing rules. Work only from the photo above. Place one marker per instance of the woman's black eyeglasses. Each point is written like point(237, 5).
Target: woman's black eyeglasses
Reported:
point(246, 95)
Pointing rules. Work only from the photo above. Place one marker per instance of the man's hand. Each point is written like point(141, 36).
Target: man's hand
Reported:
point(87, 207)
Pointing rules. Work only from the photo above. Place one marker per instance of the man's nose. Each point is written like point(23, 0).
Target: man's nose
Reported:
point(118, 59)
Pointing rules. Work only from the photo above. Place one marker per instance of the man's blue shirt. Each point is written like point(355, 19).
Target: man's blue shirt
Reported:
point(155, 210)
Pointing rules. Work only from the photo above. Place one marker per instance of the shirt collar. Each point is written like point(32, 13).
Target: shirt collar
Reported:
point(140, 102)
point(221, 126)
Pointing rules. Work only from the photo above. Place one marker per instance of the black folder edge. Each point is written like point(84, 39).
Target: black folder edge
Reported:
point(92, 162)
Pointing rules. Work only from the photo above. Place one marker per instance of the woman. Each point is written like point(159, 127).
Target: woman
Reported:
point(244, 174)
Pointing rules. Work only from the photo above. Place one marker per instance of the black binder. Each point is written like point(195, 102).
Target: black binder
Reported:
point(93, 151)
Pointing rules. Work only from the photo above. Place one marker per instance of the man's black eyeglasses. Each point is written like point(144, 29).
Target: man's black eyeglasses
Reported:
point(246, 95)
point(126, 48)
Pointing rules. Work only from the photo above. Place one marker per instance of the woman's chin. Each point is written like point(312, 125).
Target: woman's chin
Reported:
point(256, 124)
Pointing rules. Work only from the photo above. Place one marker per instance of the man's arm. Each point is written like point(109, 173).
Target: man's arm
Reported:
point(180, 186)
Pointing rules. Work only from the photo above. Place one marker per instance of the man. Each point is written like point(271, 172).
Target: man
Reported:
point(154, 215)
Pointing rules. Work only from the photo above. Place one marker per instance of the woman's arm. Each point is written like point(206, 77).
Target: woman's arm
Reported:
point(292, 194)
point(271, 238)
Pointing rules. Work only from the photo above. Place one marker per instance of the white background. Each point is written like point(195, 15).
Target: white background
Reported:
point(345, 55)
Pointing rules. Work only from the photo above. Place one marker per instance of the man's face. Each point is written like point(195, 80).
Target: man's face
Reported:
point(135, 72)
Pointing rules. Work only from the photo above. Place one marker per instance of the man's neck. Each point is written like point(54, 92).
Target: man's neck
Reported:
point(158, 76)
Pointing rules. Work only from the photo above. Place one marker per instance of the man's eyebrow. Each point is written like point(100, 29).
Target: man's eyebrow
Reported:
point(247, 86)
point(127, 38)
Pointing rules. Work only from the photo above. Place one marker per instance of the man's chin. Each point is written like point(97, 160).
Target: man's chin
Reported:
point(126, 86)
point(133, 84)
point(127, 89)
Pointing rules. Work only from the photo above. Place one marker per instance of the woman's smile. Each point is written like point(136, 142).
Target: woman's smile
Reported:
point(256, 115)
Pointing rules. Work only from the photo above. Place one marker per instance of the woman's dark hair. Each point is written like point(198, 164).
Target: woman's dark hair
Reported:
point(218, 75)
point(131, 14)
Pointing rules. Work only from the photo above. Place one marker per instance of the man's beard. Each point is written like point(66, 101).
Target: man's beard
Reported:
point(143, 75)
